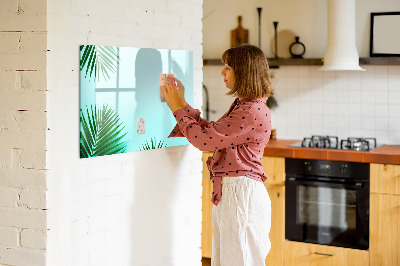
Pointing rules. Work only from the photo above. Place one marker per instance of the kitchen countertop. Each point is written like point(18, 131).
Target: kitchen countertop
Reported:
point(389, 154)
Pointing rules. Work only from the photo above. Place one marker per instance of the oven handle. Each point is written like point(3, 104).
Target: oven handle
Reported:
point(357, 185)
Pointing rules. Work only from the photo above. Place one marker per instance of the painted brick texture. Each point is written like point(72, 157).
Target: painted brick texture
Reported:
point(33, 239)
point(93, 203)
point(23, 132)
point(139, 208)
point(9, 237)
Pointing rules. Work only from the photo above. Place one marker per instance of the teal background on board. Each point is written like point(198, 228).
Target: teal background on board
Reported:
point(133, 92)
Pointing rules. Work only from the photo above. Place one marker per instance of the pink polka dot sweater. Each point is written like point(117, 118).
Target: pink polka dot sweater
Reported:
point(238, 139)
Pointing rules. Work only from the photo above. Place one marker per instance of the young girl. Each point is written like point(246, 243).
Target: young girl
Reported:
point(242, 209)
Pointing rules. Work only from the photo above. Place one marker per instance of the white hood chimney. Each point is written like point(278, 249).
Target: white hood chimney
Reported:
point(341, 51)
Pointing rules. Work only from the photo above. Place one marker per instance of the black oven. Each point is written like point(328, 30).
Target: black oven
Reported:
point(327, 202)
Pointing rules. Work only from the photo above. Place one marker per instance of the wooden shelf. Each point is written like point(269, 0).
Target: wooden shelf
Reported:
point(380, 61)
point(274, 63)
point(212, 62)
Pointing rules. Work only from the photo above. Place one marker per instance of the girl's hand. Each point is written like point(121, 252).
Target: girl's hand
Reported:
point(181, 92)
point(171, 96)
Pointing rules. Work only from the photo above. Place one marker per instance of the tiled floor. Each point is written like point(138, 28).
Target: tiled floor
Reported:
point(206, 261)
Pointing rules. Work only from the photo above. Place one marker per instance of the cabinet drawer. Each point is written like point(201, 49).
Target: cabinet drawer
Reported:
point(304, 254)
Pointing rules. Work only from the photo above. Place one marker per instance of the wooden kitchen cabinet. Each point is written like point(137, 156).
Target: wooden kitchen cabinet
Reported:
point(385, 215)
point(305, 254)
point(274, 168)
point(384, 236)
point(385, 178)
point(277, 233)
point(206, 225)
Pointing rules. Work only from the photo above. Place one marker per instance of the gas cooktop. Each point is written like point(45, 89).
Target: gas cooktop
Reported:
point(332, 142)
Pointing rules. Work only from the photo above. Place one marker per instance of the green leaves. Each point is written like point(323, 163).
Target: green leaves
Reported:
point(98, 59)
point(101, 132)
point(271, 102)
point(152, 144)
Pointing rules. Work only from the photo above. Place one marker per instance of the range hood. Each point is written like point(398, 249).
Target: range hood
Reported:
point(341, 51)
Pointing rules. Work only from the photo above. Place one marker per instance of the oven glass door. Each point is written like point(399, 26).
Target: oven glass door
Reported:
point(326, 213)
point(325, 207)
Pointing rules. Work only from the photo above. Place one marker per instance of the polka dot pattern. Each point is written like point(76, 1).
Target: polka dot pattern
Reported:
point(238, 139)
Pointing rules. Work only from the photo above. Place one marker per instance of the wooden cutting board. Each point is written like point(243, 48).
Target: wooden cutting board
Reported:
point(239, 35)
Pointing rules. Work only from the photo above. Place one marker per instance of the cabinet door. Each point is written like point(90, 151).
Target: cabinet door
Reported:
point(384, 230)
point(274, 168)
point(206, 225)
point(304, 254)
point(277, 233)
point(385, 178)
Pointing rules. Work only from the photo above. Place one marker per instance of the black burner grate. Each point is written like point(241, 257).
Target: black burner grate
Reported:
point(358, 144)
point(332, 142)
point(327, 142)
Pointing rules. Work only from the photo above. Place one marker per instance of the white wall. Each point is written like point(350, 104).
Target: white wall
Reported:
point(343, 104)
point(23, 133)
point(306, 19)
point(311, 102)
point(139, 208)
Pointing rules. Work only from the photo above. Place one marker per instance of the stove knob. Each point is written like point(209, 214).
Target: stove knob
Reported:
point(308, 166)
point(343, 168)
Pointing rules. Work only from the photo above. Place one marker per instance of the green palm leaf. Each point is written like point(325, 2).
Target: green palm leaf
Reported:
point(152, 144)
point(101, 132)
point(99, 60)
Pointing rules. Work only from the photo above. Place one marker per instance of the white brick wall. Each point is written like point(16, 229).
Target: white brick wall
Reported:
point(23, 178)
point(23, 132)
point(8, 197)
point(103, 206)
point(9, 237)
point(24, 256)
point(23, 218)
point(34, 239)
point(139, 208)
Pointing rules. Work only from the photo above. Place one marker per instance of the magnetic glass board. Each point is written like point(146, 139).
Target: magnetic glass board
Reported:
point(120, 106)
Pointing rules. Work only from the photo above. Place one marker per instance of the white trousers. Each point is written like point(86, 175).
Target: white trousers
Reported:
point(241, 223)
